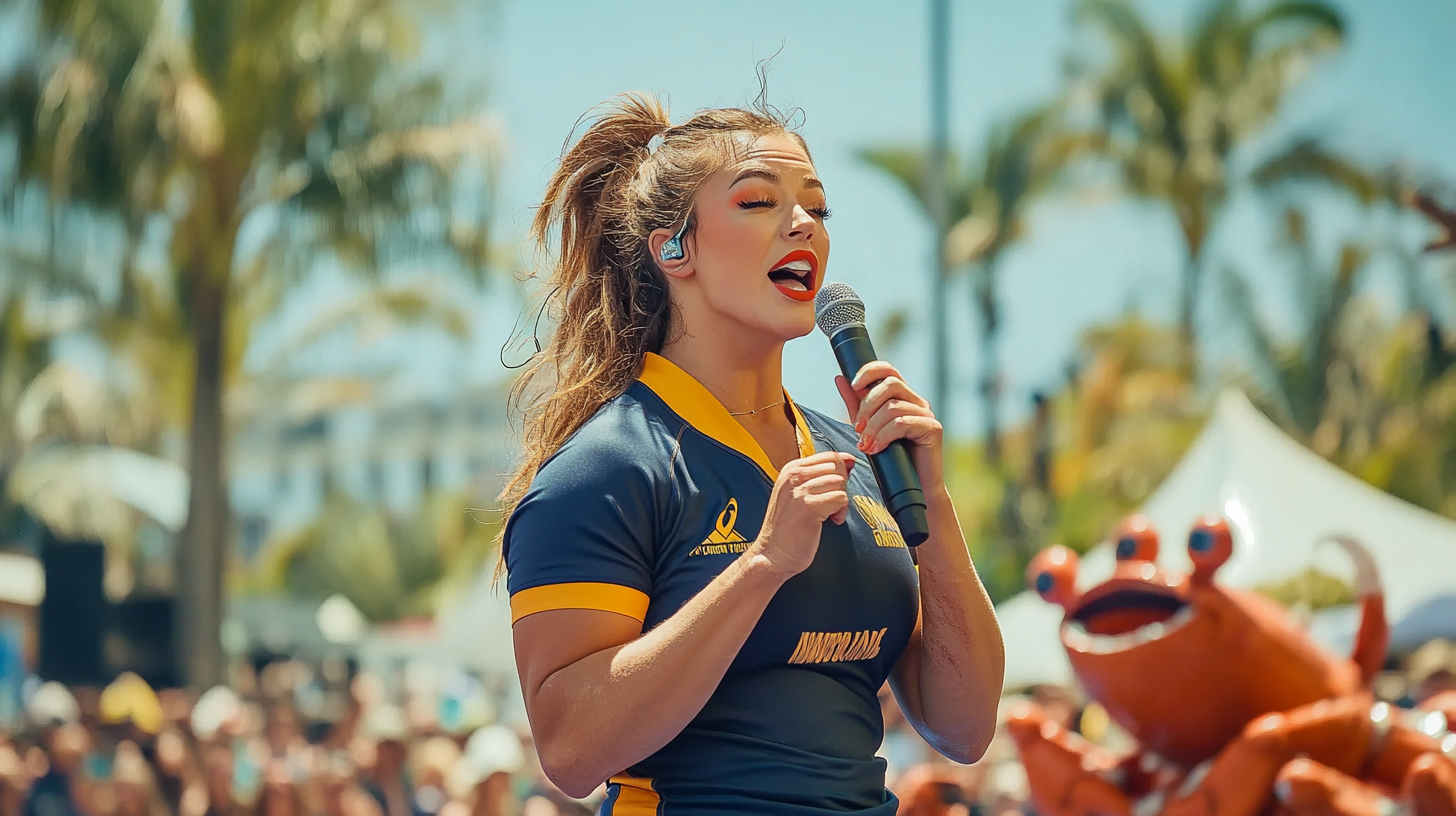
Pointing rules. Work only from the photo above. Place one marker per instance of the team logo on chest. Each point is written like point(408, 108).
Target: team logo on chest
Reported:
point(882, 524)
point(725, 537)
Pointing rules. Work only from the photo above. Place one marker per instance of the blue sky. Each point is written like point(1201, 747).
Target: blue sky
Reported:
point(859, 71)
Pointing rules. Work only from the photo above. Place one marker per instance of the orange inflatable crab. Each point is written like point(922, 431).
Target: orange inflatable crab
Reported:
point(1234, 710)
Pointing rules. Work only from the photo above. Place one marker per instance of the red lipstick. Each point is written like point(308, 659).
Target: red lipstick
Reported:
point(810, 279)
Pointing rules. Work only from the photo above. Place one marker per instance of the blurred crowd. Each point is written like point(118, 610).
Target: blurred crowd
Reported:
point(250, 748)
point(268, 744)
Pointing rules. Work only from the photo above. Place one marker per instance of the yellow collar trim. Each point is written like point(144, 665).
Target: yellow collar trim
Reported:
point(690, 400)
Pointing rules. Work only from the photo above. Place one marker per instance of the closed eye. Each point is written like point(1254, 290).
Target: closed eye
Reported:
point(767, 203)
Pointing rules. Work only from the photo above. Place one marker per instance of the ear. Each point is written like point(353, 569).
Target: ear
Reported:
point(678, 268)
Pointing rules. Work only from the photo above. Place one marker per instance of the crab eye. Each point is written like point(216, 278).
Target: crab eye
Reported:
point(1044, 582)
point(1209, 545)
point(1053, 575)
point(1137, 540)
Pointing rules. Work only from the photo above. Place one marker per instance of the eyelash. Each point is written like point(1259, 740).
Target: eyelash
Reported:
point(821, 212)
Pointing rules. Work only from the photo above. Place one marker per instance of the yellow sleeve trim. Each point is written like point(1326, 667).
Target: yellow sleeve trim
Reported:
point(602, 597)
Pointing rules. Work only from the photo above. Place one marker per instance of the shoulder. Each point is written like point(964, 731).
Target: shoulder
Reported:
point(594, 508)
point(627, 443)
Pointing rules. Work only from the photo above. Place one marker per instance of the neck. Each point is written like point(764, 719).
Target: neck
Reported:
point(742, 376)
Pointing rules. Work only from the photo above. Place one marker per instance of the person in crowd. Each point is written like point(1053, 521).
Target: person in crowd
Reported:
point(492, 756)
point(931, 790)
point(1431, 670)
point(387, 779)
point(431, 762)
point(13, 781)
point(59, 791)
point(280, 794)
point(703, 574)
point(342, 795)
point(134, 786)
point(217, 777)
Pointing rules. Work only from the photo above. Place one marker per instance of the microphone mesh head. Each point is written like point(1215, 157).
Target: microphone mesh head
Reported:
point(837, 305)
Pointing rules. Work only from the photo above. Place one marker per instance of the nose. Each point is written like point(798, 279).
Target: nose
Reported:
point(801, 225)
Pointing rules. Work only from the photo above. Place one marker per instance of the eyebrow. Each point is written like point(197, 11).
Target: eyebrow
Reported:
point(773, 178)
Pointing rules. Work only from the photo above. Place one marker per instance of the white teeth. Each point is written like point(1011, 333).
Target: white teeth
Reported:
point(1076, 636)
point(798, 266)
point(796, 285)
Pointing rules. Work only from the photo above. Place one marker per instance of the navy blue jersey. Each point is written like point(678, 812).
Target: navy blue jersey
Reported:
point(644, 506)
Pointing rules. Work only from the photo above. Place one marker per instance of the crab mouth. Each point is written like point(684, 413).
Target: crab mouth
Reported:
point(1125, 618)
point(796, 274)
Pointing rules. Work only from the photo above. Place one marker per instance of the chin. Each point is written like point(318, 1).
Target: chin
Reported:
point(794, 326)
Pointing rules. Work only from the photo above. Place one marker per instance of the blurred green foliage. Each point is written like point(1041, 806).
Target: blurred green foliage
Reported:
point(389, 566)
point(1311, 589)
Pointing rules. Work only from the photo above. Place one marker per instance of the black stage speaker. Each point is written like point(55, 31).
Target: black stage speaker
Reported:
point(72, 618)
point(139, 640)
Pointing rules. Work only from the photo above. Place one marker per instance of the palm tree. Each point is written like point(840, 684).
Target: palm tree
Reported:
point(389, 567)
point(45, 399)
point(1172, 114)
point(1295, 376)
point(81, 442)
point(987, 208)
point(1368, 393)
point(234, 142)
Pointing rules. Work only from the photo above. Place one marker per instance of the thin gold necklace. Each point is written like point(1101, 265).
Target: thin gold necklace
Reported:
point(756, 412)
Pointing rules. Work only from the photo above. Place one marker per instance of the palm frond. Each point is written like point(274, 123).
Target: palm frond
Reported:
point(1218, 55)
point(1307, 16)
point(906, 165)
point(95, 492)
point(388, 567)
point(1309, 160)
point(1266, 356)
point(376, 310)
point(1144, 66)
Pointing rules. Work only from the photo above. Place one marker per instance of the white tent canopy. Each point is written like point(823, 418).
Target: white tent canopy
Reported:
point(1282, 500)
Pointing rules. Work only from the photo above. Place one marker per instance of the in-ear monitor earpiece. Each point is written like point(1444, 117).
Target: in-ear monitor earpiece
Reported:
point(672, 248)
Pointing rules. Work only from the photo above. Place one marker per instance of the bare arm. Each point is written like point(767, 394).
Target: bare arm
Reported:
point(600, 698)
point(949, 678)
point(589, 681)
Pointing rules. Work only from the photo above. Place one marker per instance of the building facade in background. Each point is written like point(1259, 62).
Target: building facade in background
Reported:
point(283, 471)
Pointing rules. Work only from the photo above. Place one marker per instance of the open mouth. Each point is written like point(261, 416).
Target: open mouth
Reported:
point(796, 274)
point(1124, 618)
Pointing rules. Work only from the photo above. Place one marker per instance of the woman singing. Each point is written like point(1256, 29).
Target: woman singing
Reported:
point(707, 592)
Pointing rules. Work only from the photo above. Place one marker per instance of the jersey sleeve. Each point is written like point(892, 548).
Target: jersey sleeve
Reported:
point(582, 536)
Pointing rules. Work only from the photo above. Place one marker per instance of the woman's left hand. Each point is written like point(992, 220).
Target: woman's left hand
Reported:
point(890, 411)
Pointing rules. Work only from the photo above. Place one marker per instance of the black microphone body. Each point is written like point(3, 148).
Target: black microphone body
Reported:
point(894, 469)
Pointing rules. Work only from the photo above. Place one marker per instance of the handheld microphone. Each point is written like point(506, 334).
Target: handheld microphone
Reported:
point(840, 315)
